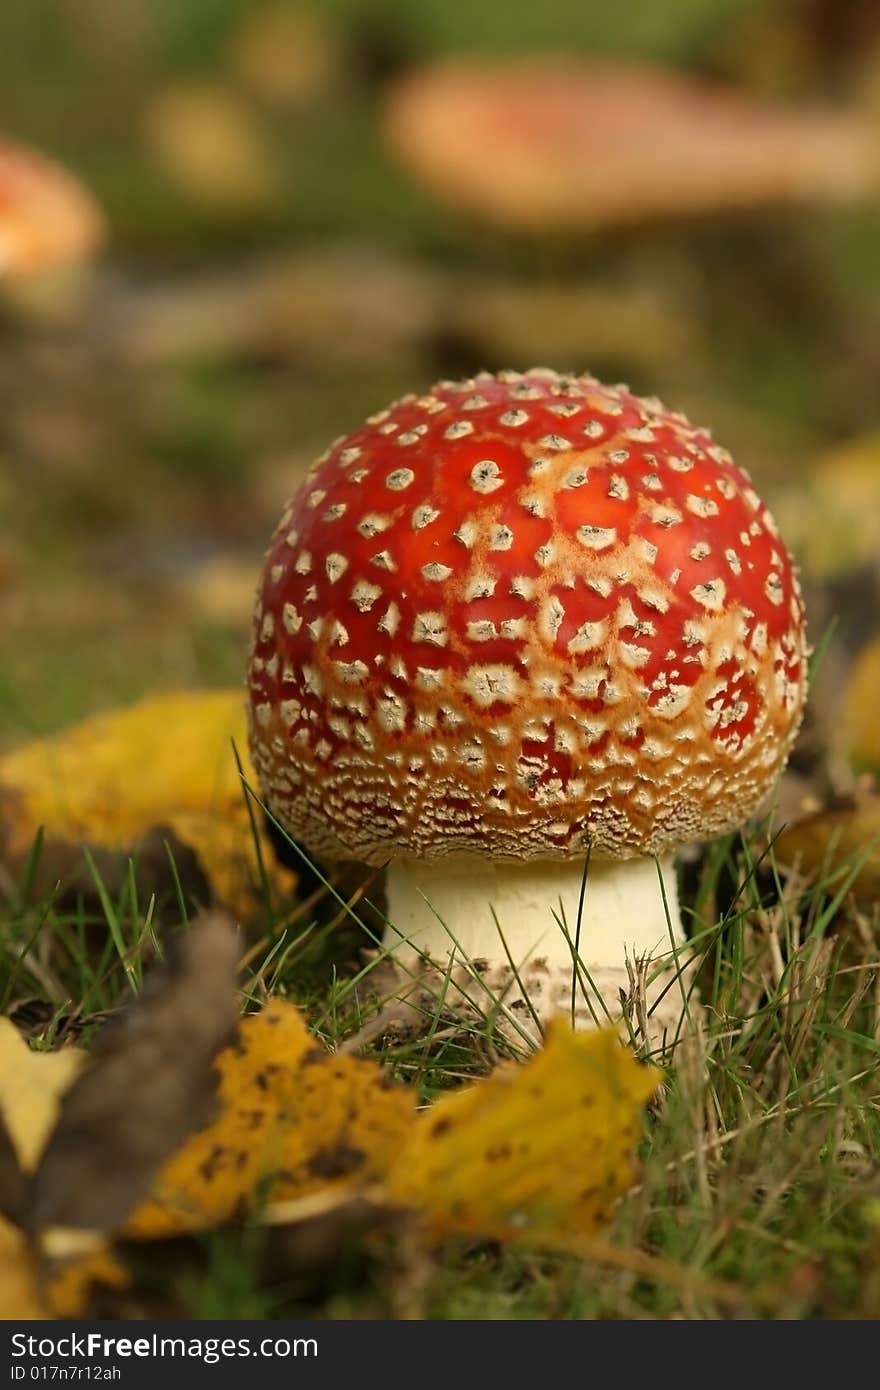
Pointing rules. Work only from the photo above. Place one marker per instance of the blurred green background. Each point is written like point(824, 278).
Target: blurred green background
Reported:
point(272, 274)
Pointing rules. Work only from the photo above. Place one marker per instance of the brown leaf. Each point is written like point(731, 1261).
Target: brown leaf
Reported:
point(839, 841)
point(148, 1085)
point(164, 867)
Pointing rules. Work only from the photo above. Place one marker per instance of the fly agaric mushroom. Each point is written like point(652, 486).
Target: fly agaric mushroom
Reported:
point(584, 145)
point(46, 216)
point(507, 622)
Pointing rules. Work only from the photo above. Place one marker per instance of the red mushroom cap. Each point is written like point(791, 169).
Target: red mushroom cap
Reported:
point(518, 615)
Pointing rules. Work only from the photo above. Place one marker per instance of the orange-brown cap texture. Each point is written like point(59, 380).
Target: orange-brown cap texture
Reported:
point(518, 615)
point(46, 217)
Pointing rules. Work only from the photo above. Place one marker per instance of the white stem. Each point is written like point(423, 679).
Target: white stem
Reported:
point(623, 915)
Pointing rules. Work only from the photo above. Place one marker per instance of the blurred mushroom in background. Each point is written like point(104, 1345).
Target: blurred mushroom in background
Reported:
point(47, 218)
point(288, 55)
point(572, 145)
point(211, 145)
point(49, 226)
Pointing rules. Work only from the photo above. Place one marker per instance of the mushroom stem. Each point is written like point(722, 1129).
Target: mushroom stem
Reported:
point(457, 906)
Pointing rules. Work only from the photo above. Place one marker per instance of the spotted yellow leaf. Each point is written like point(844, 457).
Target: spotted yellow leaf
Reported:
point(540, 1151)
point(31, 1086)
point(167, 760)
point(292, 1119)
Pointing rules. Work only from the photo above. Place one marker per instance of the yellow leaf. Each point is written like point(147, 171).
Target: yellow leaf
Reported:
point(31, 1086)
point(859, 725)
point(539, 1152)
point(829, 518)
point(293, 1119)
point(166, 760)
point(62, 1289)
point(68, 1285)
point(212, 145)
point(534, 1152)
point(287, 55)
point(20, 1296)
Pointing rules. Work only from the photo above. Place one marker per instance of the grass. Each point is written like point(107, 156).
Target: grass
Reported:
point(759, 1190)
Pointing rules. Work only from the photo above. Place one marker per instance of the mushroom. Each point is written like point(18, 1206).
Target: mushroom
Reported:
point(520, 638)
point(46, 217)
point(575, 145)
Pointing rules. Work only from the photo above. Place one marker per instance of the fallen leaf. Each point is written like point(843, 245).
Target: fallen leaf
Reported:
point(212, 145)
point(288, 56)
point(829, 517)
point(294, 1119)
point(838, 843)
point(20, 1294)
point(31, 1287)
point(305, 1130)
point(166, 870)
point(311, 1140)
point(32, 1084)
point(12, 1183)
point(536, 1152)
point(147, 1085)
point(859, 725)
point(69, 1285)
point(112, 779)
